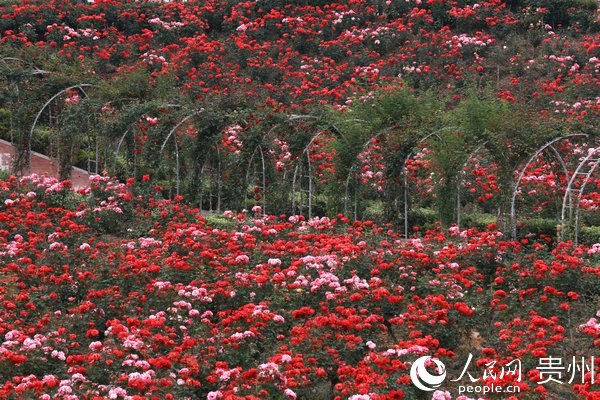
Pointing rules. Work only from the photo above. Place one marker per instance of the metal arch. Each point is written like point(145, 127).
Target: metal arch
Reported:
point(463, 173)
point(207, 165)
point(405, 172)
point(128, 129)
point(37, 117)
point(264, 181)
point(259, 149)
point(513, 221)
point(555, 152)
point(305, 151)
point(569, 198)
point(353, 166)
point(219, 178)
point(294, 117)
point(162, 148)
point(309, 175)
point(183, 121)
point(562, 163)
point(118, 149)
point(36, 70)
point(109, 103)
point(436, 134)
point(291, 118)
point(247, 181)
point(119, 146)
point(177, 164)
point(560, 160)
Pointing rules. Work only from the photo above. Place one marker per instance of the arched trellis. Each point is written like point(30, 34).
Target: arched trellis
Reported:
point(129, 129)
point(79, 87)
point(257, 150)
point(585, 169)
point(35, 69)
point(219, 182)
point(107, 148)
point(304, 157)
point(436, 135)
point(534, 156)
point(305, 154)
point(404, 173)
point(15, 94)
point(459, 180)
point(352, 172)
point(177, 156)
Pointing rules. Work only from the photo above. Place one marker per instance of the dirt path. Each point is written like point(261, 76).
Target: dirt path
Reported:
point(41, 165)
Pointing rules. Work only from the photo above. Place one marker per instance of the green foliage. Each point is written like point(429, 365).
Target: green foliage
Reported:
point(478, 220)
point(4, 175)
point(77, 122)
point(218, 221)
point(423, 217)
point(41, 140)
point(374, 211)
point(510, 134)
point(479, 118)
point(589, 235)
point(4, 124)
point(398, 118)
point(538, 226)
point(591, 218)
point(450, 154)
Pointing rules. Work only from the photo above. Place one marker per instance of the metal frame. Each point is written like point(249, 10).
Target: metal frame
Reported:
point(35, 70)
point(171, 133)
point(38, 115)
point(306, 152)
point(534, 156)
point(353, 168)
point(17, 153)
point(405, 171)
point(461, 178)
point(591, 161)
point(263, 173)
point(118, 149)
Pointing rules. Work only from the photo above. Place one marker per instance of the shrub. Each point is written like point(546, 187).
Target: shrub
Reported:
point(479, 221)
point(589, 235)
point(4, 124)
point(423, 217)
point(538, 226)
point(219, 221)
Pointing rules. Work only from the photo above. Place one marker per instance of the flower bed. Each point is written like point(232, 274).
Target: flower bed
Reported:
point(109, 293)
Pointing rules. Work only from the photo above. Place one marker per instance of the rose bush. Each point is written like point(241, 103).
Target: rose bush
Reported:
point(272, 307)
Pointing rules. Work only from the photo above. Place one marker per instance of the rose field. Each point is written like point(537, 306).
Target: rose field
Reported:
point(108, 293)
point(300, 199)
